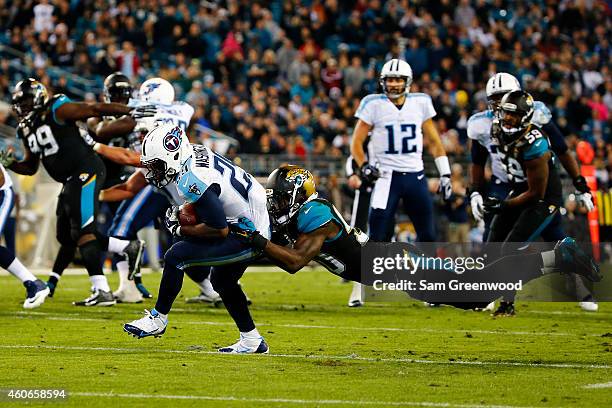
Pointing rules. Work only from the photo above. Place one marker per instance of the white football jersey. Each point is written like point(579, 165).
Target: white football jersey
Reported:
point(8, 182)
point(241, 194)
point(479, 129)
point(396, 143)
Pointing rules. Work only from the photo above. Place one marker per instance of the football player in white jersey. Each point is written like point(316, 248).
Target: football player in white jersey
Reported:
point(485, 146)
point(220, 193)
point(36, 290)
point(399, 121)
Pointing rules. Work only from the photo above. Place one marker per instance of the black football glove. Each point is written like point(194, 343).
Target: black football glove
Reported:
point(368, 173)
point(172, 221)
point(145, 111)
point(245, 231)
point(493, 205)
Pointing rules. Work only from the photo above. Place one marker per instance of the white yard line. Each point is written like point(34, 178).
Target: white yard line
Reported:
point(287, 400)
point(317, 357)
point(69, 316)
point(596, 386)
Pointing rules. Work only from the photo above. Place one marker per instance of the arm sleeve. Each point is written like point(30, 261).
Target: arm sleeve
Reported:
point(365, 111)
point(479, 153)
point(557, 141)
point(313, 216)
point(61, 100)
point(210, 209)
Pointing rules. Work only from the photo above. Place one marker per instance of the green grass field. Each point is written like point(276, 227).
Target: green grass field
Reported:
point(322, 352)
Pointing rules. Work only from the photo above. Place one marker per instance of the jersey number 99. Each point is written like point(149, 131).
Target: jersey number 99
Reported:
point(42, 141)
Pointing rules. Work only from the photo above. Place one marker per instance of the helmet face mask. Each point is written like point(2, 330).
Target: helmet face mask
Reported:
point(158, 174)
point(395, 69)
point(28, 96)
point(164, 151)
point(514, 114)
point(117, 88)
point(288, 189)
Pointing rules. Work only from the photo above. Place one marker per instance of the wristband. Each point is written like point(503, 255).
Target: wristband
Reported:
point(443, 165)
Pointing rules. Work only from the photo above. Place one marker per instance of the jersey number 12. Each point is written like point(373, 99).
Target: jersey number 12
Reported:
point(410, 131)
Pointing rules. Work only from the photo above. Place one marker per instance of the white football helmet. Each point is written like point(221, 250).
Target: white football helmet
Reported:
point(395, 68)
point(164, 150)
point(499, 85)
point(157, 90)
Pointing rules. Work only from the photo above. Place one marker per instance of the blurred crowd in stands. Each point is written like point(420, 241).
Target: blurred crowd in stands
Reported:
point(287, 76)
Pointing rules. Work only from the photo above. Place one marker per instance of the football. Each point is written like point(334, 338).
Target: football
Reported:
point(187, 215)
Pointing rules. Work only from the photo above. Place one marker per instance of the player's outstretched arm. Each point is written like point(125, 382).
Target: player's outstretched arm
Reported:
point(119, 155)
point(306, 247)
point(124, 191)
point(123, 126)
point(73, 111)
point(28, 166)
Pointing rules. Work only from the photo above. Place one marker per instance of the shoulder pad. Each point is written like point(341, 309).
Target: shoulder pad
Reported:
point(479, 126)
point(313, 215)
point(541, 114)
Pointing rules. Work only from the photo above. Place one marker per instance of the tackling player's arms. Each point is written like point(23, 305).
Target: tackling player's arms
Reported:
point(119, 155)
point(306, 247)
point(107, 130)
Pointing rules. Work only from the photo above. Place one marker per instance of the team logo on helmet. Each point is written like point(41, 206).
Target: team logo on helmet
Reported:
point(172, 140)
point(298, 176)
point(151, 87)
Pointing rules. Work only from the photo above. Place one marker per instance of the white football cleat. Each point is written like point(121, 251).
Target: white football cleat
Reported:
point(207, 294)
point(152, 324)
point(246, 345)
point(128, 293)
point(356, 299)
point(589, 306)
point(37, 291)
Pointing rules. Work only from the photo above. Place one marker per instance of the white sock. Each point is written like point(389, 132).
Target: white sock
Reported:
point(548, 259)
point(117, 245)
point(124, 269)
point(250, 335)
point(164, 317)
point(99, 282)
point(21, 272)
point(55, 275)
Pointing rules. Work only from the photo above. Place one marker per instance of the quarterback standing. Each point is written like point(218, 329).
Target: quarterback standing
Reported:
point(399, 122)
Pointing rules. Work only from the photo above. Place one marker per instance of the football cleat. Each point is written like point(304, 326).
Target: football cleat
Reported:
point(207, 294)
point(247, 346)
point(589, 306)
point(152, 324)
point(128, 293)
point(36, 293)
point(98, 298)
point(143, 291)
point(570, 258)
point(356, 298)
point(134, 252)
point(505, 309)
